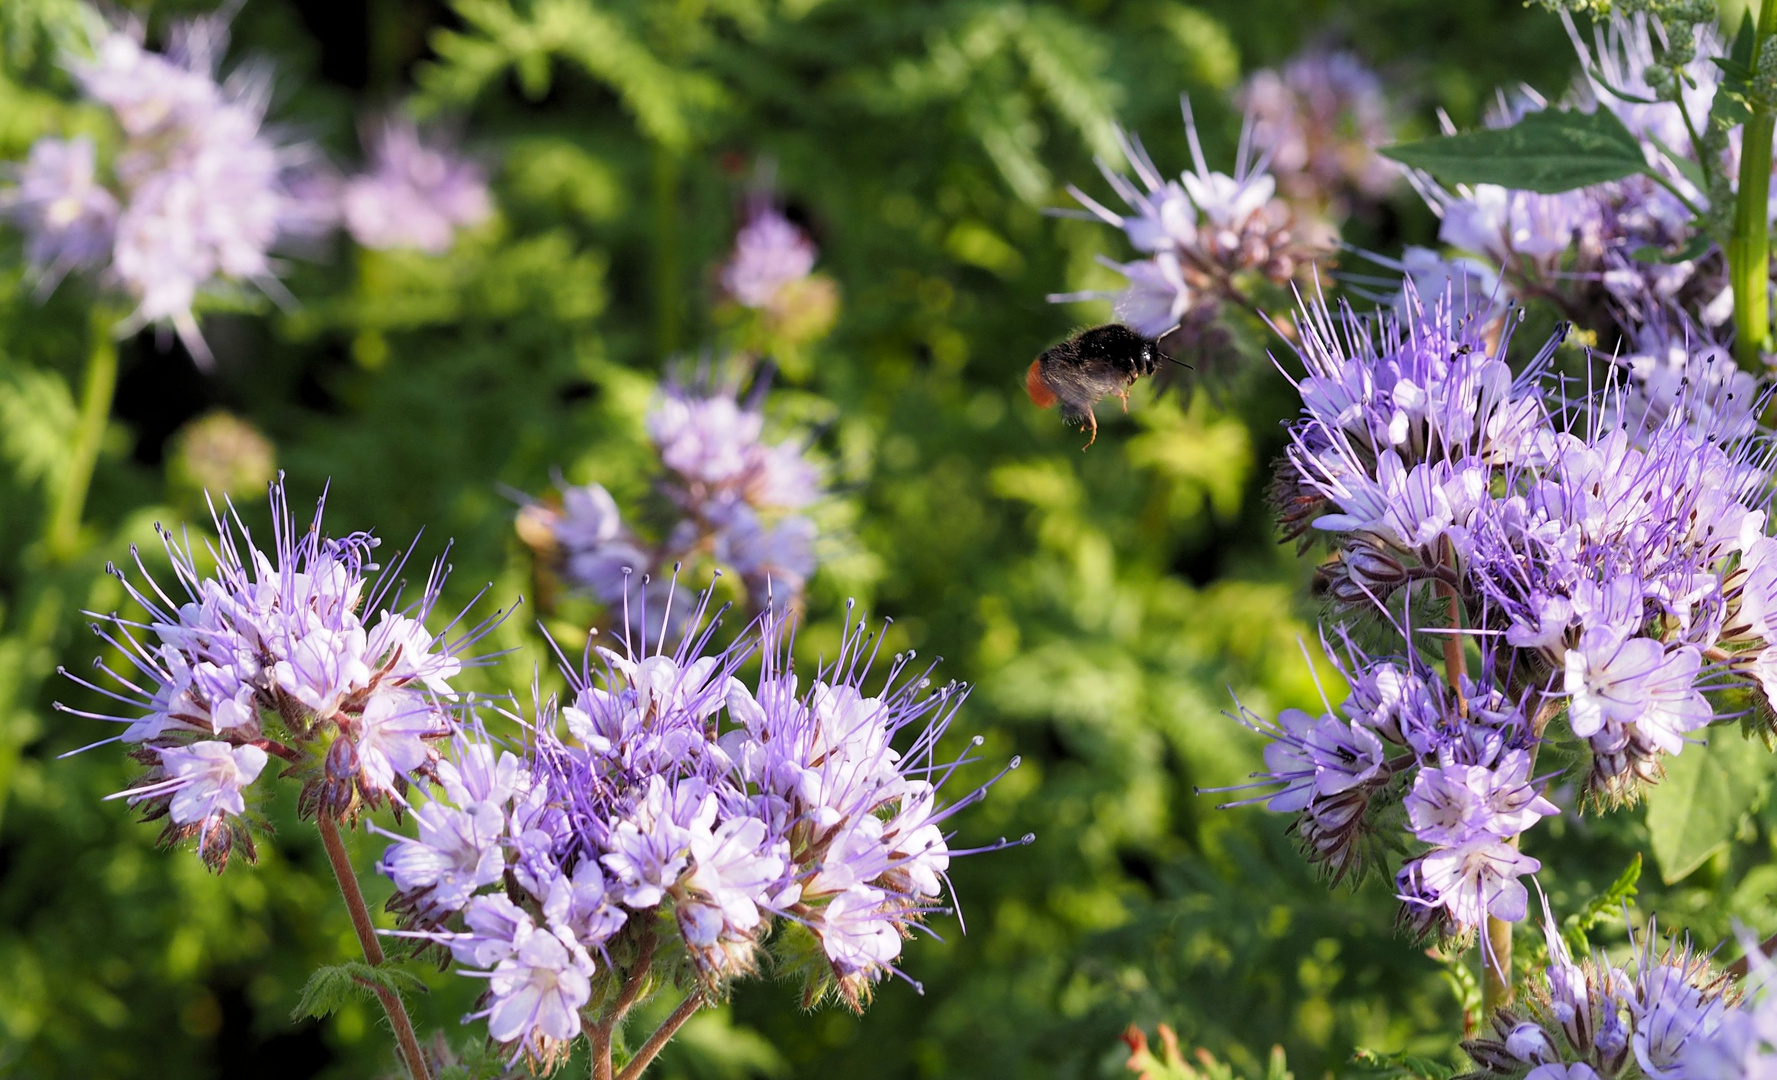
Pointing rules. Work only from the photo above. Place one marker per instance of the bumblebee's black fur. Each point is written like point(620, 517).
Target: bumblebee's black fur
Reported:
point(1091, 365)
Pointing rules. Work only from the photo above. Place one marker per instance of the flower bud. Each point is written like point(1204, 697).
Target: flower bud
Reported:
point(1530, 1043)
point(1369, 563)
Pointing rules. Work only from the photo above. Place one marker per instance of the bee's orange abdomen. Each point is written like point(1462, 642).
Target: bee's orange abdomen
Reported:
point(1033, 385)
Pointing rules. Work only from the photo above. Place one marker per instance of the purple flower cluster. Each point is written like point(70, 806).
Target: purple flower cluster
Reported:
point(200, 194)
point(1666, 1015)
point(1619, 256)
point(417, 194)
point(680, 816)
point(1196, 234)
point(737, 499)
point(1323, 115)
point(275, 654)
point(1607, 553)
point(1457, 762)
point(770, 254)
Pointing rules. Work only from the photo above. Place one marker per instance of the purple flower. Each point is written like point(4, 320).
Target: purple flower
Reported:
point(1195, 232)
point(1684, 372)
point(1505, 224)
point(1556, 1070)
point(734, 865)
point(535, 992)
point(202, 194)
point(1615, 685)
point(1157, 296)
point(774, 561)
point(859, 932)
point(457, 852)
point(1478, 879)
point(270, 652)
point(416, 195)
point(799, 807)
point(769, 253)
point(69, 218)
point(205, 780)
point(1322, 116)
point(1454, 804)
point(652, 847)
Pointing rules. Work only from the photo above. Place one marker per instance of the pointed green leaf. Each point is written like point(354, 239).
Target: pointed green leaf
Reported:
point(330, 987)
point(1606, 905)
point(1708, 789)
point(1550, 151)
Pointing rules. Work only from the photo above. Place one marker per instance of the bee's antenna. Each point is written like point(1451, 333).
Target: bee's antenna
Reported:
point(1162, 351)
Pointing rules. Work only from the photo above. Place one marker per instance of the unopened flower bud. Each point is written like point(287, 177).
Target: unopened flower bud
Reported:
point(1530, 1043)
point(1491, 1055)
point(342, 760)
point(1369, 563)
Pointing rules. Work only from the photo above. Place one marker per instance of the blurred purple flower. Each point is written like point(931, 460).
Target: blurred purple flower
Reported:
point(69, 218)
point(770, 252)
point(416, 195)
point(1322, 117)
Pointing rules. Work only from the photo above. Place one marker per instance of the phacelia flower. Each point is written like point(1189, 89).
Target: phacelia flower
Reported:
point(416, 195)
point(1322, 115)
point(679, 796)
point(69, 218)
point(1196, 233)
point(269, 654)
point(199, 192)
point(770, 254)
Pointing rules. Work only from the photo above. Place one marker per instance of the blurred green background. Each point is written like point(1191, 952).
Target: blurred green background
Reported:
point(1104, 603)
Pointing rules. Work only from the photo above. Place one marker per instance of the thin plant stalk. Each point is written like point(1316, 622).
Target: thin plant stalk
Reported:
point(1749, 246)
point(600, 1033)
point(61, 538)
point(645, 1056)
point(373, 950)
point(1496, 942)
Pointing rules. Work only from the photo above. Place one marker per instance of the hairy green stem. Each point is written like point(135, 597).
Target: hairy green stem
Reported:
point(1749, 246)
point(61, 539)
point(373, 950)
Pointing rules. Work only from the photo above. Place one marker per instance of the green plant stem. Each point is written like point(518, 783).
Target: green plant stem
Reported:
point(373, 950)
point(662, 1036)
point(62, 538)
point(1749, 246)
point(1496, 965)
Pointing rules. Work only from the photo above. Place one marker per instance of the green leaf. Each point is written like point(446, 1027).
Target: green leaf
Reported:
point(478, 1059)
point(1606, 905)
point(37, 418)
point(1412, 1066)
point(1708, 790)
point(1550, 151)
point(330, 987)
point(1737, 65)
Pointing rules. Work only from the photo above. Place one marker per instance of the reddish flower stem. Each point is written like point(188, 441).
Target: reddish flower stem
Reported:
point(601, 1032)
point(661, 1037)
point(373, 950)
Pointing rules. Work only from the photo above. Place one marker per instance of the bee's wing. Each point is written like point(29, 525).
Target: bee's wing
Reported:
point(1080, 381)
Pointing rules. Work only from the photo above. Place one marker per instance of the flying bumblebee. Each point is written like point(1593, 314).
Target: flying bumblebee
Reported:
point(1088, 367)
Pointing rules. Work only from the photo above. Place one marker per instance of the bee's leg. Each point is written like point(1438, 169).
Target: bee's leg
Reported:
point(1123, 394)
point(1092, 421)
